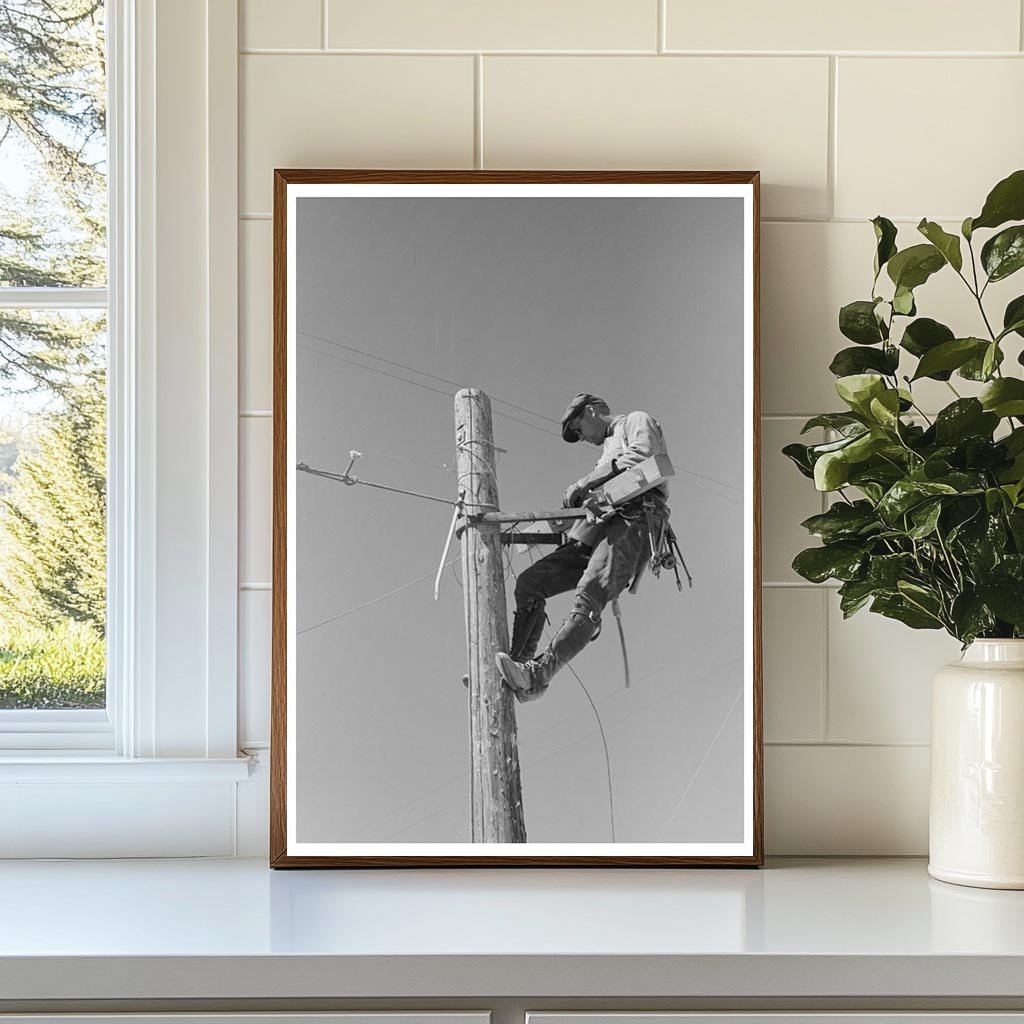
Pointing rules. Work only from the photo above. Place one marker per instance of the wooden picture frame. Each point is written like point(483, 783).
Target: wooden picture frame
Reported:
point(352, 248)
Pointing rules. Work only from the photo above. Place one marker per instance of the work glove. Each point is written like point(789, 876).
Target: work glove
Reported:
point(574, 495)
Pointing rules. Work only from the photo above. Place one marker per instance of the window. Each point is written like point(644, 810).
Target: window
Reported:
point(53, 368)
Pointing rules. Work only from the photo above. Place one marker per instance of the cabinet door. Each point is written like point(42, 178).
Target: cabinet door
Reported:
point(356, 1017)
point(786, 1017)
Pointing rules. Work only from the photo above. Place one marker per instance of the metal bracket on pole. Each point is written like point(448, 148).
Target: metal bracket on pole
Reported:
point(459, 505)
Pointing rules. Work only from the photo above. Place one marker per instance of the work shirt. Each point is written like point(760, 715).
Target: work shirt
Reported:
point(632, 438)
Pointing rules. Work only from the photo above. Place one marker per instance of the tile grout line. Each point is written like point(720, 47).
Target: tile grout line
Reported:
point(257, 51)
point(833, 133)
point(323, 24)
point(856, 744)
point(662, 41)
point(825, 652)
point(478, 111)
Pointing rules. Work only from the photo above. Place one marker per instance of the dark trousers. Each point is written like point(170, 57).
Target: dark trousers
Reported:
point(597, 575)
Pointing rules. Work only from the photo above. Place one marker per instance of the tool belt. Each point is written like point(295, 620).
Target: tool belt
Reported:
point(652, 506)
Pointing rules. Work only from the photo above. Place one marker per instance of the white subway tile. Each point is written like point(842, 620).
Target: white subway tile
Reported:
point(255, 515)
point(470, 25)
point(254, 610)
point(793, 628)
point(926, 137)
point(687, 113)
point(787, 498)
point(271, 24)
point(880, 675)
point(351, 111)
point(868, 25)
point(255, 320)
point(846, 800)
point(808, 271)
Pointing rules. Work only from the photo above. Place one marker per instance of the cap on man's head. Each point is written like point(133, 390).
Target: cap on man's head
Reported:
point(573, 410)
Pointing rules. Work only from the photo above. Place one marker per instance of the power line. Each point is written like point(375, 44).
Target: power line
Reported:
point(707, 754)
point(560, 750)
point(359, 608)
point(426, 387)
point(554, 727)
point(498, 412)
point(346, 479)
point(604, 742)
point(423, 373)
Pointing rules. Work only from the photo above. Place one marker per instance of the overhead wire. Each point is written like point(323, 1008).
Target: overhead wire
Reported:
point(498, 412)
point(553, 727)
point(423, 373)
point(426, 387)
point(604, 741)
point(693, 778)
point(366, 604)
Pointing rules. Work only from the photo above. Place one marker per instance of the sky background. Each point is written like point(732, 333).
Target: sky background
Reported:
point(532, 300)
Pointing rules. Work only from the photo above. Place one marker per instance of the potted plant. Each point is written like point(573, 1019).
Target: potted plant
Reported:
point(926, 524)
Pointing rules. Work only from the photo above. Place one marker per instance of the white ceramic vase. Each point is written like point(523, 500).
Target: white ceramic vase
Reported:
point(976, 812)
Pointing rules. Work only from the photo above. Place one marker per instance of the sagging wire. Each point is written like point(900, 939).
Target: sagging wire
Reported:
point(604, 741)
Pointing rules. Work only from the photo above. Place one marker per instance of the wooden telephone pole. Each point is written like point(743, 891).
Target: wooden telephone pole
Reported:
point(496, 791)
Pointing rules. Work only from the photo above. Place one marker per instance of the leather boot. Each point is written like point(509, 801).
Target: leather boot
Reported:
point(527, 627)
point(529, 680)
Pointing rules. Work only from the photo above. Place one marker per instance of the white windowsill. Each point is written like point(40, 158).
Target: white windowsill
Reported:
point(79, 767)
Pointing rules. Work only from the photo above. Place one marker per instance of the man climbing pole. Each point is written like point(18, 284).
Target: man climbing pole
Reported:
point(600, 557)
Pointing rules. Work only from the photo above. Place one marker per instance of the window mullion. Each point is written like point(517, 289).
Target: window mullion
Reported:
point(53, 298)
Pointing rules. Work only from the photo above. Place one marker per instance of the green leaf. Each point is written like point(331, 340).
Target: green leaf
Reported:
point(885, 409)
point(923, 335)
point(1003, 254)
point(1013, 317)
point(974, 368)
point(1005, 202)
point(849, 361)
point(887, 570)
point(842, 561)
point(903, 302)
point(925, 518)
point(1005, 596)
point(842, 521)
point(858, 389)
point(899, 608)
point(885, 237)
point(964, 418)
point(949, 355)
point(912, 267)
point(1004, 397)
point(965, 228)
point(857, 321)
point(947, 244)
point(831, 471)
point(799, 455)
point(971, 617)
point(991, 360)
point(854, 595)
point(906, 494)
point(841, 421)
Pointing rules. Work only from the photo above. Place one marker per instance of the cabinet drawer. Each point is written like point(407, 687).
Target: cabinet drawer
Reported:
point(357, 1017)
point(788, 1017)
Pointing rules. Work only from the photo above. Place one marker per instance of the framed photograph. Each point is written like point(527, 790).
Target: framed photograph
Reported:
point(516, 572)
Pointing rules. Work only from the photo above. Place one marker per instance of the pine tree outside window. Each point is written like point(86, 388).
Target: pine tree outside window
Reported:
point(53, 365)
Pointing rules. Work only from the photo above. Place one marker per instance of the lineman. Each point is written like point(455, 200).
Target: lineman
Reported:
point(599, 559)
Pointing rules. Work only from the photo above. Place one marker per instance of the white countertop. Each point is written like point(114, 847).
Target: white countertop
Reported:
point(233, 928)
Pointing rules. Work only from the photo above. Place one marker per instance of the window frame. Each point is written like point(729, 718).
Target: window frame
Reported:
point(172, 533)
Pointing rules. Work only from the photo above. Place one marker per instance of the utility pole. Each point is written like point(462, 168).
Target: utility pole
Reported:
point(497, 800)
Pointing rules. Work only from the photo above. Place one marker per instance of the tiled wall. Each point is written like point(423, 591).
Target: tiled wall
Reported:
point(907, 109)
